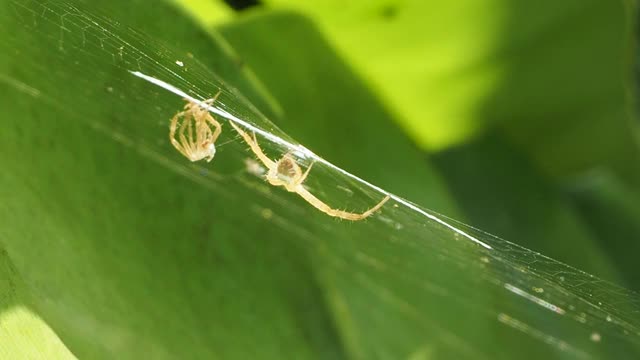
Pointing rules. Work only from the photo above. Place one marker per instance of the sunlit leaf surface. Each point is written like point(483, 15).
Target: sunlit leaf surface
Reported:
point(552, 77)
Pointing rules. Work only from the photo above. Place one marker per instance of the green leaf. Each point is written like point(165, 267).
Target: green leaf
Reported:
point(206, 12)
point(125, 255)
point(128, 250)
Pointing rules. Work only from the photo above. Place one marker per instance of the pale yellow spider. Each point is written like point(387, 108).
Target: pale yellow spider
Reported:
point(286, 172)
point(197, 139)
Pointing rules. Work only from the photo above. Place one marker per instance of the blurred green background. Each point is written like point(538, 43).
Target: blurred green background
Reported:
point(514, 116)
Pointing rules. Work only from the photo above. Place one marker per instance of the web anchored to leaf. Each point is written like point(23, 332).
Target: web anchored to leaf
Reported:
point(404, 281)
point(544, 279)
point(197, 142)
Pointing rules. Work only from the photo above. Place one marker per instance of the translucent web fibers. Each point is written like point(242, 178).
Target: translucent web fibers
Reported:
point(404, 282)
point(305, 154)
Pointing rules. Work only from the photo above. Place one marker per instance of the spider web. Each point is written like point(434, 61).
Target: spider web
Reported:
point(464, 292)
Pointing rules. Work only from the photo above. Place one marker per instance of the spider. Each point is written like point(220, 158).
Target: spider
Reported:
point(196, 121)
point(287, 173)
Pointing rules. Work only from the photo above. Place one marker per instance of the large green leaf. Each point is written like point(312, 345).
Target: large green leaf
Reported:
point(126, 257)
point(206, 11)
point(128, 250)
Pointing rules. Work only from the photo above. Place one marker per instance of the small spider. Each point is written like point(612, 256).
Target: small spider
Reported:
point(196, 136)
point(287, 173)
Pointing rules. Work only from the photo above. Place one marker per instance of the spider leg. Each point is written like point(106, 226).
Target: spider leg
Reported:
point(205, 138)
point(187, 147)
point(174, 123)
point(210, 119)
point(320, 205)
point(210, 102)
point(215, 97)
point(185, 143)
point(304, 176)
point(216, 125)
point(172, 133)
point(190, 131)
point(172, 127)
point(253, 144)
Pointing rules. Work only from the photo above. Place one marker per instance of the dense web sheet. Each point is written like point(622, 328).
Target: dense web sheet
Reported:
point(406, 267)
